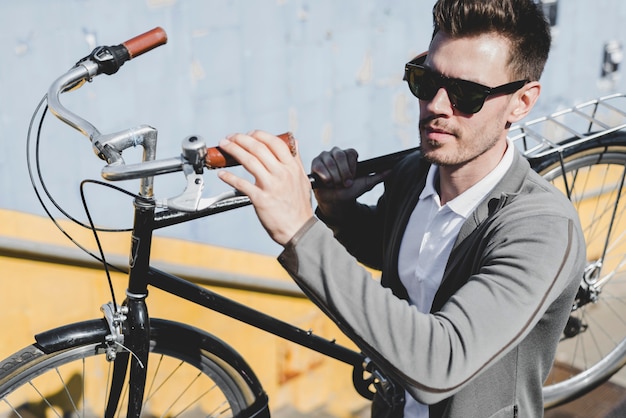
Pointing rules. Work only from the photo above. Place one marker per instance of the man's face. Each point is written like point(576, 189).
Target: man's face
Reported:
point(450, 137)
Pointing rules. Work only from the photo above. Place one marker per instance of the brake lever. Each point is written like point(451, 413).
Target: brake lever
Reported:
point(191, 200)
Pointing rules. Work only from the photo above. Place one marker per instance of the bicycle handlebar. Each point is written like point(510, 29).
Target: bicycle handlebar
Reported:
point(109, 59)
point(216, 158)
point(145, 42)
point(196, 155)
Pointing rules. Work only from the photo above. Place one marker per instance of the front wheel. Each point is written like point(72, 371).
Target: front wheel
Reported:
point(190, 374)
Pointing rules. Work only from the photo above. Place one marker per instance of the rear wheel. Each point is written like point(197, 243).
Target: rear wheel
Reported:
point(593, 345)
point(187, 377)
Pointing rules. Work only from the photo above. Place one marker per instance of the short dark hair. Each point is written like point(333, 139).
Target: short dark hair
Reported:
point(522, 22)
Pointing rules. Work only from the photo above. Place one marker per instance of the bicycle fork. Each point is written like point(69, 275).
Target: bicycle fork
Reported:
point(133, 321)
point(136, 357)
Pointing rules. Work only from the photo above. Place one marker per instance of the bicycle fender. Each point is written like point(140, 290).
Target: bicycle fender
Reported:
point(84, 332)
point(179, 335)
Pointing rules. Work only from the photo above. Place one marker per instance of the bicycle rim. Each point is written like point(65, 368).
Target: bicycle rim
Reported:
point(593, 346)
point(182, 382)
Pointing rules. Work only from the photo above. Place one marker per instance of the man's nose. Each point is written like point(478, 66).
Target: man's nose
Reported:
point(440, 104)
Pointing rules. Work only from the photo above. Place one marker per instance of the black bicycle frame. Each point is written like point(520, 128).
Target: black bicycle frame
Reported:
point(137, 327)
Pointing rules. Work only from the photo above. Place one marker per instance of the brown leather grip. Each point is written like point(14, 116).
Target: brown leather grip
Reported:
point(217, 158)
point(143, 43)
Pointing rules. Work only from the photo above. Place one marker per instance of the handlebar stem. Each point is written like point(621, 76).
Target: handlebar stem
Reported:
point(111, 147)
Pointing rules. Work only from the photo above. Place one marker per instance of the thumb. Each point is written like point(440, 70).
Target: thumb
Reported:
point(367, 183)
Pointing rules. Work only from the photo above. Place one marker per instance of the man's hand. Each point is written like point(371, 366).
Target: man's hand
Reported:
point(281, 194)
point(339, 189)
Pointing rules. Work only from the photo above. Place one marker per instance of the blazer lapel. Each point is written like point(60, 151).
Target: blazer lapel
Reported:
point(494, 201)
point(405, 203)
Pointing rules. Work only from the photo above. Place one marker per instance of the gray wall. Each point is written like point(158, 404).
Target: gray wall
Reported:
point(330, 71)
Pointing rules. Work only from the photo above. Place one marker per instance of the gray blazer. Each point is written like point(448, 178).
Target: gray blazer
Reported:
point(488, 344)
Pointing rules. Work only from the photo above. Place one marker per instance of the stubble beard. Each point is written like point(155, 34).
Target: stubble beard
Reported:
point(433, 151)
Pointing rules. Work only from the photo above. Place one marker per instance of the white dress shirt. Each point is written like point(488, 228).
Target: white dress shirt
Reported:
point(428, 239)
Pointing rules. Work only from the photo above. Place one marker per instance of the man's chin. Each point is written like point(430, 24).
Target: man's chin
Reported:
point(437, 157)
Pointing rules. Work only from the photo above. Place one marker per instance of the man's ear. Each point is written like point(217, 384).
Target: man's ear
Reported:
point(524, 100)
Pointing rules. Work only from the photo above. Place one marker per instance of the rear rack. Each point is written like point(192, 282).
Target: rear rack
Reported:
point(569, 127)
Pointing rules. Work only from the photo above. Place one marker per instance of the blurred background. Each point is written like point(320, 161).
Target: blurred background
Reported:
point(328, 71)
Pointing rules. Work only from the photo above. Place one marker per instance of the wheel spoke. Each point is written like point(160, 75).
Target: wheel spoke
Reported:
point(182, 381)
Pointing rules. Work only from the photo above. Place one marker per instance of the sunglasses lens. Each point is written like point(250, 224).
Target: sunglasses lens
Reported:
point(466, 96)
point(421, 83)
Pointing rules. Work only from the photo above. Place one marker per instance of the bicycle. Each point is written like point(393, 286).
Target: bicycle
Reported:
point(220, 382)
point(121, 345)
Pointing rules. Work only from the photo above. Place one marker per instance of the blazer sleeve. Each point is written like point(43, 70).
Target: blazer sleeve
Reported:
point(526, 264)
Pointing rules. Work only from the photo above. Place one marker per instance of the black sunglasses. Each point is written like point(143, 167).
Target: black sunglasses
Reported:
point(466, 96)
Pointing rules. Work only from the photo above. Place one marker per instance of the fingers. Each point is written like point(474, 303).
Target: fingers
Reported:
point(260, 153)
point(335, 168)
point(275, 144)
point(281, 192)
point(236, 182)
point(255, 149)
point(369, 182)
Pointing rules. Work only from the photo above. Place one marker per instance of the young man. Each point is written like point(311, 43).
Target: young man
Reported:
point(480, 257)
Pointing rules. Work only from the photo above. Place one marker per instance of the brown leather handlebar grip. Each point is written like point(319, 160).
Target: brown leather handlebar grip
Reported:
point(217, 158)
point(143, 43)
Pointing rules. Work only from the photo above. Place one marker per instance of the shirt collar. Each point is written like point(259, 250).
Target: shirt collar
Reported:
point(465, 203)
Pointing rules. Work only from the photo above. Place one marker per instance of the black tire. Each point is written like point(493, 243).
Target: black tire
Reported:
point(593, 346)
point(190, 373)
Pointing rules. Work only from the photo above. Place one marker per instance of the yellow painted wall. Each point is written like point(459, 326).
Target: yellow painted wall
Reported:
point(34, 296)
